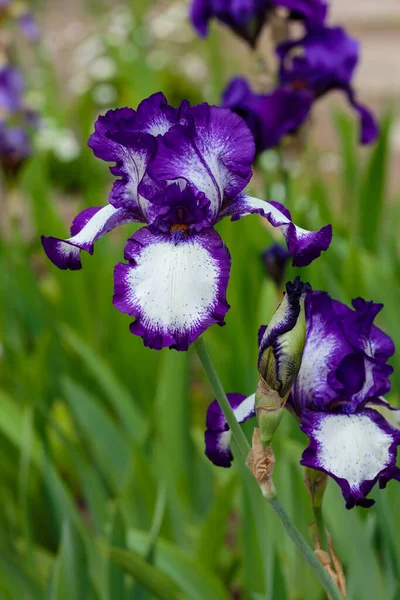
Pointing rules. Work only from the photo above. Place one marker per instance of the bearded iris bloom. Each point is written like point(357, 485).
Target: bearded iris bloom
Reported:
point(324, 60)
point(337, 397)
point(270, 116)
point(181, 171)
point(247, 17)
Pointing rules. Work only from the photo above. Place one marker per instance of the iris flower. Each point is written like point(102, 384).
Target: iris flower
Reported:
point(324, 60)
point(180, 172)
point(247, 17)
point(337, 397)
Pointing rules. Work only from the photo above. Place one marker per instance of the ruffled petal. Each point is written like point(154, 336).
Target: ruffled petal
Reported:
point(218, 436)
point(175, 285)
point(356, 450)
point(214, 152)
point(305, 246)
point(344, 358)
point(87, 227)
point(118, 139)
point(324, 349)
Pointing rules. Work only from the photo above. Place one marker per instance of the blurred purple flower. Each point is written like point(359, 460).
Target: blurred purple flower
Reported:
point(324, 60)
point(15, 148)
point(269, 116)
point(27, 22)
point(247, 17)
point(11, 88)
point(181, 172)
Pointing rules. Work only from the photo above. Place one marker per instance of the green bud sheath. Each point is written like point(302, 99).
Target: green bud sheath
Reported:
point(282, 343)
point(279, 358)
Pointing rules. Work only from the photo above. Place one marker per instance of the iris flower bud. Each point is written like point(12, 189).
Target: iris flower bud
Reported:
point(279, 359)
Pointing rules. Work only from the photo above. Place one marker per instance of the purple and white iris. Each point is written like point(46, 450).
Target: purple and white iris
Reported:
point(337, 397)
point(324, 60)
point(218, 435)
point(180, 172)
point(247, 17)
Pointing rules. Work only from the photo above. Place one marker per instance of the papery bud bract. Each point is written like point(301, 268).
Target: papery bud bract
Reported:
point(282, 343)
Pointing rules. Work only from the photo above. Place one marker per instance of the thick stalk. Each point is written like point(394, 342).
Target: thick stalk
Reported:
point(320, 525)
point(244, 447)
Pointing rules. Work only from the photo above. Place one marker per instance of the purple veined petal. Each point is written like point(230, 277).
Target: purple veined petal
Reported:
point(116, 139)
point(155, 116)
point(214, 152)
point(175, 285)
point(324, 349)
point(369, 128)
point(217, 437)
point(29, 27)
point(344, 358)
point(304, 246)
point(356, 450)
point(88, 226)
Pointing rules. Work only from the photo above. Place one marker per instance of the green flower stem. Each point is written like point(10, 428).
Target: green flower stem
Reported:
point(219, 392)
point(244, 447)
point(319, 522)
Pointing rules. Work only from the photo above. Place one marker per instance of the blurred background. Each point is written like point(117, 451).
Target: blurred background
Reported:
point(106, 492)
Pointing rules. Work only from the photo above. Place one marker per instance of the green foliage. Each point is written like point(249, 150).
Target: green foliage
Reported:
point(106, 492)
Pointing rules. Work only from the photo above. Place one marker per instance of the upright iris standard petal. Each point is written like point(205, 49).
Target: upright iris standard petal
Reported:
point(116, 139)
point(87, 227)
point(356, 450)
point(305, 246)
point(217, 436)
point(175, 285)
point(214, 152)
point(323, 60)
point(345, 355)
point(270, 116)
